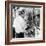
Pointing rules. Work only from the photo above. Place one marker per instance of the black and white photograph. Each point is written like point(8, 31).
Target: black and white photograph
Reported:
point(25, 21)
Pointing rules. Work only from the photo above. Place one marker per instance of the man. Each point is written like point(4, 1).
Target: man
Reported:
point(19, 23)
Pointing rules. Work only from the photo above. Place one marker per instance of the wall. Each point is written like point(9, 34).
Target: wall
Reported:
point(2, 24)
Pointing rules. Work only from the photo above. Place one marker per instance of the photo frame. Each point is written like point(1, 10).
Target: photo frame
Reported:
point(24, 22)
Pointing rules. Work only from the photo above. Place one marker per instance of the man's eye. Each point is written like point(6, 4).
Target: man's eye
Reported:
point(21, 12)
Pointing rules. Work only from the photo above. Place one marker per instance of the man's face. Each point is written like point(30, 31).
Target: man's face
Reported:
point(22, 12)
